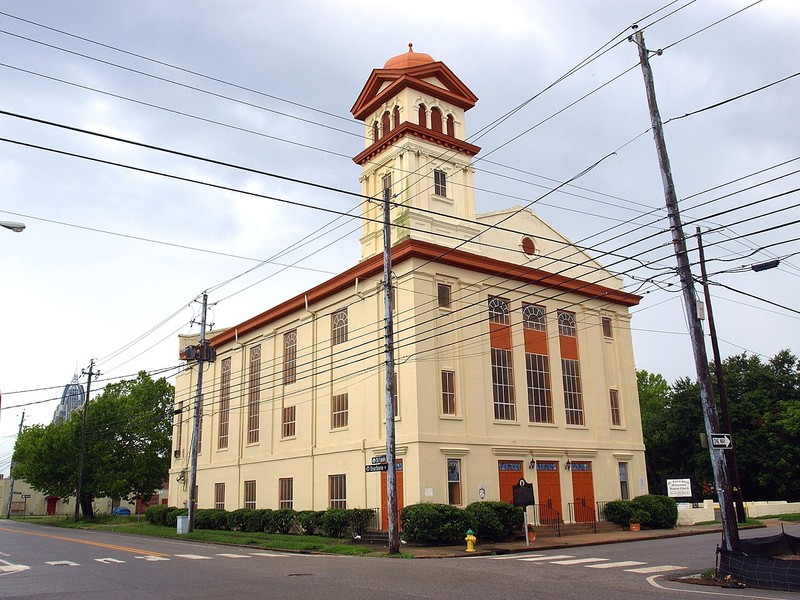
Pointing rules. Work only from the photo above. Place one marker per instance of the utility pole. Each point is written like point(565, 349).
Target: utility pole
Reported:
point(82, 456)
point(710, 417)
point(11, 472)
point(391, 473)
point(198, 405)
point(733, 467)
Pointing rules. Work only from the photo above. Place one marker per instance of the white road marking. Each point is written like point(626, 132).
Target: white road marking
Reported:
point(544, 558)
point(234, 555)
point(194, 556)
point(511, 556)
point(106, 561)
point(657, 569)
point(652, 581)
point(4, 554)
point(8, 567)
point(266, 554)
point(578, 561)
point(63, 563)
point(616, 565)
point(151, 558)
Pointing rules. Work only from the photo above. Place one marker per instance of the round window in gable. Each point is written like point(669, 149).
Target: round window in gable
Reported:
point(528, 247)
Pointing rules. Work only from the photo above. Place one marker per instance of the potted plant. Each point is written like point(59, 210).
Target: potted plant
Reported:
point(635, 525)
point(531, 532)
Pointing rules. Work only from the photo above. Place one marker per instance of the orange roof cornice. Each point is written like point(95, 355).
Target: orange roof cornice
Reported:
point(409, 249)
point(371, 96)
point(412, 129)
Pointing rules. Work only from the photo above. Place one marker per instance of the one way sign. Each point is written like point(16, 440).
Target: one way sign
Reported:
point(721, 441)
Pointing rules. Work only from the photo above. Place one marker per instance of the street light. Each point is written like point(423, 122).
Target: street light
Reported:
point(13, 225)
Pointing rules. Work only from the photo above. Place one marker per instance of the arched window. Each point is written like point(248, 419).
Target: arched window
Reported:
point(423, 116)
point(385, 123)
point(451, 126)
point(396, 117)
point(533, 317)
point(375, 131)
point(436, 119)
point(498, 310)
point(566, 324)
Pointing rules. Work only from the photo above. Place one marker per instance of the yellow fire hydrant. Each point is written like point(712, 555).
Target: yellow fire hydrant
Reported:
point(470, 539)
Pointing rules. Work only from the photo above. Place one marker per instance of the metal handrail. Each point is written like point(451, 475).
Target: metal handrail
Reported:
point(545, 514)
point(581, 512)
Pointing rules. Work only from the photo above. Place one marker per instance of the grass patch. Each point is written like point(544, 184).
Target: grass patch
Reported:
point(748, 523)
point(794, 517)
point(267, 541)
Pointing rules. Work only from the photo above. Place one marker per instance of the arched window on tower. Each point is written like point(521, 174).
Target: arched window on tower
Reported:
point(451, 126)
point(396, 117)
point(375, 131)
point(385, 123)
point(423, 115)
point(436, 119)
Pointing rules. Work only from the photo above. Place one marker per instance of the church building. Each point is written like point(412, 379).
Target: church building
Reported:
point(513, 348)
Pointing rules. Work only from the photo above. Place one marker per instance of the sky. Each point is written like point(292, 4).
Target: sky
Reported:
point(115, 256)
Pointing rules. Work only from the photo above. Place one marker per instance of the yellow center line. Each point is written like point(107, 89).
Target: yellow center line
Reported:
point(90, 543)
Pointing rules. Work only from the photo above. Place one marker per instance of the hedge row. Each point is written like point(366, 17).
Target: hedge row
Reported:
point(656, 512)
point(430, 523)
point(334, 522)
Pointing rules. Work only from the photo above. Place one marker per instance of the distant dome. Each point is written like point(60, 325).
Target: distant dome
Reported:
point(408, 59)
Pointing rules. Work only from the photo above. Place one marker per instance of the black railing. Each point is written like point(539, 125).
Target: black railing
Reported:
point(581, 512)
point(546, 515)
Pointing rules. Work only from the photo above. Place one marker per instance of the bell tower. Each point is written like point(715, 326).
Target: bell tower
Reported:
point(416, 152)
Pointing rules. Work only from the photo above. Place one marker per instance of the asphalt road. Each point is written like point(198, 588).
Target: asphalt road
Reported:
point(43, 562)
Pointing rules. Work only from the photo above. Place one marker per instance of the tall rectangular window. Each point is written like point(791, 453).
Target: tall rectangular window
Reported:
point(288, 423)
point(200, 428)
point(503, 385)
point(443, 295)
point(286, 492)
point(573, 398)
point(254, 395)
point(290, 357)
point(224, 403)
point(339, 411)
point(219, 496)
point(339, 326)
point(440, 183)
point(454, 481)
point(607, 330)
point(623, 481)
point(337, 491)
point(395, 396)
point(250, 494)
point(448, 392)
point(178, 428)
point(616, 414)
point(386, 183)
point(540, 402)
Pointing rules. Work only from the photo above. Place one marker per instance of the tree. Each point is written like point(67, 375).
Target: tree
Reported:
point(127, 445)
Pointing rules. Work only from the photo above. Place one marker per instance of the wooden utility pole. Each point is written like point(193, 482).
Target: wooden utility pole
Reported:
point(82, 456)
point(198, 406)
point(733, 467)
point(391, 473)
point(11, 472)
point(710, 417)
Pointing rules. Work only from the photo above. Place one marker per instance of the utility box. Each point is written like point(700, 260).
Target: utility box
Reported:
point(183, 524)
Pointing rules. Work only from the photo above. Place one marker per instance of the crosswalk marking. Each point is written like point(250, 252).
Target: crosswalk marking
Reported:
point(266, 554)
point(511, 556)
point(656, 569)
point(194, 556)
point(578, 561)
point(543, 558)
point(234, 555)
point(616, 565)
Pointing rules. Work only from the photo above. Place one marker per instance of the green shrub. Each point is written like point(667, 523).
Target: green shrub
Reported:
point(430, 523)
point(211, 518)
point(619, 512)
point(254, 522)
point(268, 524)
point(283, 520)
point(492, 520)
point(309, 521)
point(360, 519)
point(335, 522)
point(173, 514)
point(656, 512)
point(236, 518)
point(157, 514)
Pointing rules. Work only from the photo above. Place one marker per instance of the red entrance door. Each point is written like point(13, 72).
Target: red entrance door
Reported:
point(385, 497)
point(509, 473)
point(52, 503)
point(583, 492)
point(548, 479)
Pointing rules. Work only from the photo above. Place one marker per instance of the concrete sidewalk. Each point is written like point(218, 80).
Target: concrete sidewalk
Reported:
point(554, 542)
